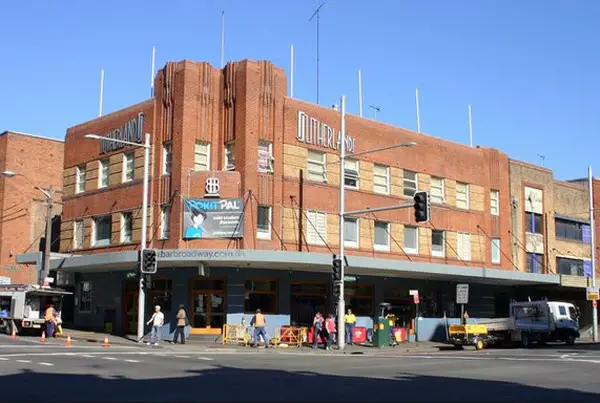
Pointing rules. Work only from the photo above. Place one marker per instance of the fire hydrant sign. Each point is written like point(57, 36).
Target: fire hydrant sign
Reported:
point(462, 293)
point(592, 294)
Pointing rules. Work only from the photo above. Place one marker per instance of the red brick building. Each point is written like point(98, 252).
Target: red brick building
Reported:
point(36, 162)
point(277, 158)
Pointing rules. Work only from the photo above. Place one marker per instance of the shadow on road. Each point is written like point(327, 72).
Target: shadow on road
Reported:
point(233, 384)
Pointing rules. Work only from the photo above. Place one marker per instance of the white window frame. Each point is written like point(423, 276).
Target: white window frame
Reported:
point(94, 240)
point(270, 159)
point(442, 188)
point(352, 244)
point(229, 163)
point(416, 182)
point(80, 178)
point(460, 242)
point(411, 251)
point(322, 162)
point(496, 242)
point(380, 247)
point(349, 175)
point(165, 222)
point(124, 239)
point(312, 237)
point(126, 156)
point(103, 165)
point(199, 151)
point(261, 234)
point(467, 195)
point(494, 202)
point(167, 158)
point(78, 226)
point(435, 253)
point(385, 176)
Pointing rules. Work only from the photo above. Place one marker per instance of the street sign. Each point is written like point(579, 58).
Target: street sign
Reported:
point(462, 293)
point(4, 280)
point(350, 279)
point(592, 294)
point(415, 295)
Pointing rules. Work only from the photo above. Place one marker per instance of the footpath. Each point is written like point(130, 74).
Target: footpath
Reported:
point(195, 344)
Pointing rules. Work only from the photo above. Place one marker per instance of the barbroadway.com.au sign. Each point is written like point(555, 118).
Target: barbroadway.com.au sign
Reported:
point(312, 131)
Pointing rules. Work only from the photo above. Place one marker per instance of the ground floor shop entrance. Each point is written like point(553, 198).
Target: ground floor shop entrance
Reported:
point(209, 305)
point(307, 298)
point(158, 294)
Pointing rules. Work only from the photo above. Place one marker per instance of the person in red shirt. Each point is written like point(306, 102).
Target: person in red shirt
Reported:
point(330, 327)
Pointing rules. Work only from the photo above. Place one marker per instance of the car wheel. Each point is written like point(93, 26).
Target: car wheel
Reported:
point(525, 342)
point(570, 340)
point(479, 345)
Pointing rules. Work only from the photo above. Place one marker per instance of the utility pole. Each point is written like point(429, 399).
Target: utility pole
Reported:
point(341, 302)
point(317, 14)
point(593, 247)
point(49, 206)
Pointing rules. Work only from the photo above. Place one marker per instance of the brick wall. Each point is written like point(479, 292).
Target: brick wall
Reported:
point(37, 162)
point(245, 104)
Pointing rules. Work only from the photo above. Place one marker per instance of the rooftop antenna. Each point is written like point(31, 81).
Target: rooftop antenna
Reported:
point(360, 97)
point(152, 72)
point(418, 111)
point(542, 159)
point(317, 14)
point(222, 39)
point(101, 91)
point(470, 127)
point(292, 71)
point(375, 110)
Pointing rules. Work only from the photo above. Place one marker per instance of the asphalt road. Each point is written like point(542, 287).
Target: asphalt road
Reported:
point(87, 372)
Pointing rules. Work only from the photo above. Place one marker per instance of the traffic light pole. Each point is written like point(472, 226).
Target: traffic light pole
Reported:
point(141, 296)
point(341, 328)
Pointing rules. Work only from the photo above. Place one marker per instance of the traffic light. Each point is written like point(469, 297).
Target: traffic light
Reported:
point(337, 269)
point(337, 286)
point(422, 208)
point(149, 262)
point(146, 281)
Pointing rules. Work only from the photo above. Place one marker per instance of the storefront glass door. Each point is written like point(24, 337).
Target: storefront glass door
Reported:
point(209, 305)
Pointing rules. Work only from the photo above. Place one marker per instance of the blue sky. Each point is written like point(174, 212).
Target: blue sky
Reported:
point(531, 69)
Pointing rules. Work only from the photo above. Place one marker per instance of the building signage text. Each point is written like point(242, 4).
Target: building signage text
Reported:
point(312, 131)
point(131, 131)
point(213, 218)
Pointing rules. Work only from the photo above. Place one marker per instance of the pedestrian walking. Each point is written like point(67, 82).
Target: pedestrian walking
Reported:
point(50, 318)
point(181, 324)
point(318, 325)
point(349, 323)
point(331, 331)
point(259, 322)
point(157, 320)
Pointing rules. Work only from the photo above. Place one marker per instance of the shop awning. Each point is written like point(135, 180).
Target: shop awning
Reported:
point(305, 261)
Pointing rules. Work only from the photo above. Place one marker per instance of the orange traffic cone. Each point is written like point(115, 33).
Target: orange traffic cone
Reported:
point(106, 343)
point(13, 335)
point(68, 342)
point(43, 339)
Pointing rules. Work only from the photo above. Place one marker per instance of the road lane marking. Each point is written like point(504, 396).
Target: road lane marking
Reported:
point(109, 358)
point(3, 359)
point(24, 361)
point(205, 359)
point(182, 356)
point(131, 361)
point(86, 356)
point(47, 364)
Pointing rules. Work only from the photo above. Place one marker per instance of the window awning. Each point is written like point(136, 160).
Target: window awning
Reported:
point(565, 217)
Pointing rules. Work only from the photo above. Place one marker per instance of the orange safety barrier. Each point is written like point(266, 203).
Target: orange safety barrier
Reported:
point(292, 336)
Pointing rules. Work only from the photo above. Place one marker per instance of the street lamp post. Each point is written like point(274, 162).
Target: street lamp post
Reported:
point(143, 241)
point(342, 213)
point(49, 194)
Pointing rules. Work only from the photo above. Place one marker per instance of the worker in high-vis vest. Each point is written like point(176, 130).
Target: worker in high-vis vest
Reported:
point(259, 322)
point(350, 322)
point(50, 318)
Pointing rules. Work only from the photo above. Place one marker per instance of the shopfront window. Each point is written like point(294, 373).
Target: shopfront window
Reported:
point(160, 294)
point(359, 298)
point(261, 294)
